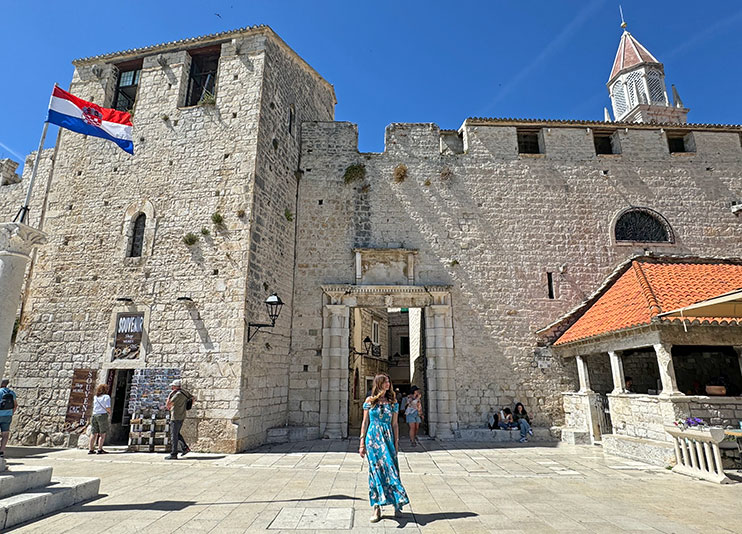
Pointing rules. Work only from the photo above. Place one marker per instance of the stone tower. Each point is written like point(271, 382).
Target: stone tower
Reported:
point(637, 86)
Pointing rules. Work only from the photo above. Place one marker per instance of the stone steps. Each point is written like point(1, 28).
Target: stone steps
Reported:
point(499, 436)
point(27, 493)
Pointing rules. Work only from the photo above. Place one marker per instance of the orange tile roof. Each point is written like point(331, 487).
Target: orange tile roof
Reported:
point(650, 287)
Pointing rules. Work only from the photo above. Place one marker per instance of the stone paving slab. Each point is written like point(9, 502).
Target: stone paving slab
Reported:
point(321, 487)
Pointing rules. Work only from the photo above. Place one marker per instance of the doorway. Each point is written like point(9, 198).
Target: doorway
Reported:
point(396, 348)
point(119, 384)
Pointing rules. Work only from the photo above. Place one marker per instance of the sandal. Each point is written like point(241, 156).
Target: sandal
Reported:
point(377, 515)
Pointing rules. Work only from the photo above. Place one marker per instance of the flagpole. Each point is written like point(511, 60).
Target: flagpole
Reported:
point(23, 212)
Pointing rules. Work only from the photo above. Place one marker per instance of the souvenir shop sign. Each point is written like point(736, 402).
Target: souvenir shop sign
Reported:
point(129, 328)
point(81, 398)
point(150, 389)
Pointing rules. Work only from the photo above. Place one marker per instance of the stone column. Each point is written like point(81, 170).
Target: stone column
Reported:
point(441, 380)
point(667, 369)
point(334, 374)
point(582, 374)
point(17, 241)
point(619, 379)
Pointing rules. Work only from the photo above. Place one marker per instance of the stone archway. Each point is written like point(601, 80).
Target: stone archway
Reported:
point(439, 340)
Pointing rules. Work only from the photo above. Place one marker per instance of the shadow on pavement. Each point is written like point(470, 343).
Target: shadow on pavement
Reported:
point(425, 519)
point(13, 453)
point(177, 506)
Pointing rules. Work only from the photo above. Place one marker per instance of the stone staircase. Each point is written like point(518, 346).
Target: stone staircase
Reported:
point(27, 493)
point(500, 436)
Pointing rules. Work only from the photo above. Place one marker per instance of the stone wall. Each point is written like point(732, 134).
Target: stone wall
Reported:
point(641, 366)
point(189, 163)
point(491, 224)
point(599, 370)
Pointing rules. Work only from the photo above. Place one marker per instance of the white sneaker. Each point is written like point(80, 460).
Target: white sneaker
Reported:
point(523, 440)
point(377, 515)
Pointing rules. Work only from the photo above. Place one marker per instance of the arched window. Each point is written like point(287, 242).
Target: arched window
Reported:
point(137, 236)
point(643, 225)
point(619, 100)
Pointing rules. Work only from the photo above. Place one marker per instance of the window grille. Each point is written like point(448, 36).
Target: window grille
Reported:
point(656, 88)
point(643, 225)
point(619, 99)
point(126, 89)
point(637, 95)
point(202, 80)
point(137, 236)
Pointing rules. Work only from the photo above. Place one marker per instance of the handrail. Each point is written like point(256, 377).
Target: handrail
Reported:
point(697, 452)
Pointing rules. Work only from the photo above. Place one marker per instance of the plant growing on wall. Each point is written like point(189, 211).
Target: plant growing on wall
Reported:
point(240, 213)
point(354, 172)
point(400, 173)
point(217, 218)
point(190, 239)
point(454, 263)
point(289, 216)
point(205, 231)
point(446, 173)
point(427, 183)
point(207, 99)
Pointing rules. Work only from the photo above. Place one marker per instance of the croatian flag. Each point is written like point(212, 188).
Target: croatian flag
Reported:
point(87, 118)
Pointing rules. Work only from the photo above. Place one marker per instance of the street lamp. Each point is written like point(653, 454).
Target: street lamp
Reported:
point(273, 304)
point(367, 343)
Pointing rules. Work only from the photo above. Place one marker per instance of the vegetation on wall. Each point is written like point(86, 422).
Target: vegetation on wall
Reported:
point(354, 172)
point(400, 173)
point(190, 239)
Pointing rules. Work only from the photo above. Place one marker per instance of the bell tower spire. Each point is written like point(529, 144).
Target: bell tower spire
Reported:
point(637, 85)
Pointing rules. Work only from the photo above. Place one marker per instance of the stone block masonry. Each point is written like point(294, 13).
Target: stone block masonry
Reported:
point(491, 223)
point(238, 158)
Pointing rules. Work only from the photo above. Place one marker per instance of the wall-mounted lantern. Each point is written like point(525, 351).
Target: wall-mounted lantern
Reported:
point(273, 304)
point(367, 343)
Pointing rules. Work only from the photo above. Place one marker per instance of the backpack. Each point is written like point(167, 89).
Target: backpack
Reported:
point(6, 402)
point(189, 401)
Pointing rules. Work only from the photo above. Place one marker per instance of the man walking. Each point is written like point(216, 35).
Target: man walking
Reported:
point(178, 402)
point(8, 404)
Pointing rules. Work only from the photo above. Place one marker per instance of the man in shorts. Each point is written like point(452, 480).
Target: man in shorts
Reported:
point(8, 404)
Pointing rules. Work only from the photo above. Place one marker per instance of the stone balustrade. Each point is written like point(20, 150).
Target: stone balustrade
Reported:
point(697, 452)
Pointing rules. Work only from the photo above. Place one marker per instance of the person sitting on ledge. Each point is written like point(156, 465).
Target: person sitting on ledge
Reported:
point(521, 418)
point(506, 419)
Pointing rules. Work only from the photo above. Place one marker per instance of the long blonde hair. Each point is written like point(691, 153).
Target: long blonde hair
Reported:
point(377, 391)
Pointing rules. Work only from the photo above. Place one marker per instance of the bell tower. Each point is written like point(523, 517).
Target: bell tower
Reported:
point(637, 86)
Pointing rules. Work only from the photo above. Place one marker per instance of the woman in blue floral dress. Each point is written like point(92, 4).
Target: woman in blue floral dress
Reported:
point(380, 441)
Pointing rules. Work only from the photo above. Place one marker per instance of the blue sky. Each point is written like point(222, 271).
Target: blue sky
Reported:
point(398, 61)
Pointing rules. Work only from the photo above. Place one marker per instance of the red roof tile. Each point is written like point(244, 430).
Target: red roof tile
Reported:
point(648, 288)
point(630, 54)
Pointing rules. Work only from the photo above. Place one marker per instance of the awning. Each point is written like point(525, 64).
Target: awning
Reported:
point(728, 305)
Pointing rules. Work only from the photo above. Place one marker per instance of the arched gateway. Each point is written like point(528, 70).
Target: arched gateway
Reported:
point(435, 302)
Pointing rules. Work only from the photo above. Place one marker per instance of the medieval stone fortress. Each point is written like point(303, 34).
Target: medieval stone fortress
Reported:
point(456, 260)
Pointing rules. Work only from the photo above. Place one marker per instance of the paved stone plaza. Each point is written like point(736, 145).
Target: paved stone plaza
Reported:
point(320, 486)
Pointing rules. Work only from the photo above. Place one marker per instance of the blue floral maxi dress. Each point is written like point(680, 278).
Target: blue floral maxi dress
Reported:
point(384, 485)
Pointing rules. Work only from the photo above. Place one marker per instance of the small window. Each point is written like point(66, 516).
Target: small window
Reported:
point(606, 143)
point(292, 119)
point(126, 86)
point(375, 333)
point(528, 142)
point(137, 236)
point(643, 225)
point(202, 79)
point(550, 285)
point(678, 142)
